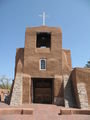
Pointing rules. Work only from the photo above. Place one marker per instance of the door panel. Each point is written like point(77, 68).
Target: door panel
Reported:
point(42, 91)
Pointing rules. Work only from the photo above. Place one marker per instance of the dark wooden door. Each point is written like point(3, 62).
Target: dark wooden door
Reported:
point(42, 91)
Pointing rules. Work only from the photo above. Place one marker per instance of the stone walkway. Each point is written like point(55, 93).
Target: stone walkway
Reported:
point(42, 112)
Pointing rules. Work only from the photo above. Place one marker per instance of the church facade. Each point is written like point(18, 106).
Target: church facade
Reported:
point(44, 74)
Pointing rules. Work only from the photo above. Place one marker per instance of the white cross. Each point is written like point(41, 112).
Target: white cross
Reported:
point(44, 18)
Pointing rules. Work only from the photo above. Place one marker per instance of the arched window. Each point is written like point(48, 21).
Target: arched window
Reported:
point(42, 64)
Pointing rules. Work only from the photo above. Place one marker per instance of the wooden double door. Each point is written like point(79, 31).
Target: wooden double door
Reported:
point(42, 90)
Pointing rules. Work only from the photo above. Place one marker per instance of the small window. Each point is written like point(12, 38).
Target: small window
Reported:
point(43, 40)
point(42, 64)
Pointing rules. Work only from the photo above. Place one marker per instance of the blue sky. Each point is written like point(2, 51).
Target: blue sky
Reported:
point(73, 16)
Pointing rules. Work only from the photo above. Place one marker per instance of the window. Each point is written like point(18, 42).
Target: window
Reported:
point(43, 40)
point(42, 64)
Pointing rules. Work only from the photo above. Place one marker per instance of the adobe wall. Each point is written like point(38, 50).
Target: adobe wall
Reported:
point(19, 60)
point(81, 82)
point(53, 55)
point(58, 90)
point(26, 89)
point(66, 62)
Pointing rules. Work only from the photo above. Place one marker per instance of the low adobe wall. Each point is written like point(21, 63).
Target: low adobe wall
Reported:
point(74, 111)
point(81, 83)
point(11, 111)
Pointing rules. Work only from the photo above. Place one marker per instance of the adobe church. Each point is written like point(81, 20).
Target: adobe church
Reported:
point(44, 74)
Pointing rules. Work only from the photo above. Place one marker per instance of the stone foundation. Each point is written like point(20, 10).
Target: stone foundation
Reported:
point(82, 93)
point(16, 98)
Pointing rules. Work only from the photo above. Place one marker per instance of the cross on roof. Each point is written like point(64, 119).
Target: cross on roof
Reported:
point(44, 18)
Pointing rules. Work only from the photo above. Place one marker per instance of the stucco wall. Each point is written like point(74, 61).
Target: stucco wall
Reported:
point(81, 82)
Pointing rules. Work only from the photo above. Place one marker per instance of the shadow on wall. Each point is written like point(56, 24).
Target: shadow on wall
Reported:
point(60, 97)
point(69, 94)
